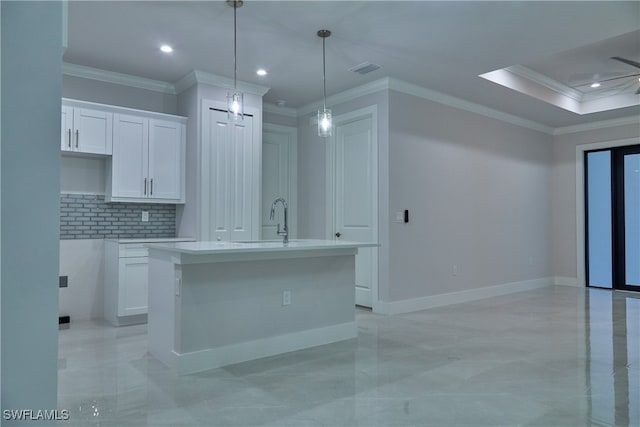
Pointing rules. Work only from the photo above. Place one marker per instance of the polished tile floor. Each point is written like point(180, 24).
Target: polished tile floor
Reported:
point(557, 356)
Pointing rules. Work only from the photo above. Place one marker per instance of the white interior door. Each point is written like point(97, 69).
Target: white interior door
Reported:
point(278, 177)
point(355, 204)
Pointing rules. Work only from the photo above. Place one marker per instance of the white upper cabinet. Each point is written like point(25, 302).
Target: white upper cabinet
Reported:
point(148, 160)
point(129, 165)
point(165, 151)
point(86, 130)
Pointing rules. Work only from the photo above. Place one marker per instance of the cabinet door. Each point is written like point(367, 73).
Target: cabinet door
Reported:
point(92, 131)
point(241, 169)
point(165, 159)
point(129, 174)
point(216, 175)
point(66, 129)
point(228, 175)
point(133, 286)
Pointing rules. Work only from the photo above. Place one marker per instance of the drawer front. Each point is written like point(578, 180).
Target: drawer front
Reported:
point(129, 250)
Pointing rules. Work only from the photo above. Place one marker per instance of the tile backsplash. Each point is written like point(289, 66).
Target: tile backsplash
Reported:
point(87, 216)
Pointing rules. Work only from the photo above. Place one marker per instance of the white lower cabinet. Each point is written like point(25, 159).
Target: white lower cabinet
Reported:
point(126, 281)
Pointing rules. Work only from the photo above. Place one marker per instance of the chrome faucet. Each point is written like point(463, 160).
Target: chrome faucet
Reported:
point(285, 230)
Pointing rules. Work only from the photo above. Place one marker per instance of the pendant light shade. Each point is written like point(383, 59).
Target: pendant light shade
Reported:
point(235, 99)
point(324, 115)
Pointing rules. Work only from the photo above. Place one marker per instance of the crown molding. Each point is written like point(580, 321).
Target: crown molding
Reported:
point(388, 83)
point(347, 95)
point(194, 77)
point(451, 101)
point(283, 111)
point(202, 77)
point(584, 127)
point(117, 78)
point(545, 81)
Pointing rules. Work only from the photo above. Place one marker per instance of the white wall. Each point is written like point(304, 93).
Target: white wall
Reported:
point(279, 119)
point(478, 193)
point(31, 69)
point(82, 175)
point(563, 224)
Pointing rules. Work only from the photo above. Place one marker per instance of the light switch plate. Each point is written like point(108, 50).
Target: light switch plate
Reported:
point(399, 216)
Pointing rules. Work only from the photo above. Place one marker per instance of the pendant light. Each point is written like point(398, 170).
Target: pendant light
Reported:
point(324, 115)
point(235, 104)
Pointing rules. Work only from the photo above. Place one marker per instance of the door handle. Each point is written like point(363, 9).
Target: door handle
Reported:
point(69, 137)
point(77, 137)
point(338, 234)
point(145, 186)
point(152, 186)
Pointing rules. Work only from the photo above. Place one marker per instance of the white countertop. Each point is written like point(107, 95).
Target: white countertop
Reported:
point(154, 240)
point(214, 247)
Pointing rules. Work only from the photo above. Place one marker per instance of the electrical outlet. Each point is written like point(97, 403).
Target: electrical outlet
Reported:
point(145, 216)
point(286, 297)
point(454, 270)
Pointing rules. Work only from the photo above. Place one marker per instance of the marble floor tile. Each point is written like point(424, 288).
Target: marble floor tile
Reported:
point(556, 356)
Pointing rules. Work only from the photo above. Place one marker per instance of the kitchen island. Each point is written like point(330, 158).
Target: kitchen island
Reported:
point(213, 304)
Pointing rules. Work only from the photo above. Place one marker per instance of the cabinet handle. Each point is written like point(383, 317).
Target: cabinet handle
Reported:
point(77, 137)
point(152, 186)
point(145, 186)
point(69, 137)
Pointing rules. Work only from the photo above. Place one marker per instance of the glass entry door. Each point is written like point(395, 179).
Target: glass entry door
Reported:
point(613, 218)
point(628, 179)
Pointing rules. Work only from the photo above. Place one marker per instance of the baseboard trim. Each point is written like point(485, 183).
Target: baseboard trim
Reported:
point(416, 304)
point(198, 361)
point(566, 281)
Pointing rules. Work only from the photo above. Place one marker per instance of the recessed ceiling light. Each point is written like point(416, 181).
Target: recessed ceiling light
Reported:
point(166, 48)
point(595, 85)
point(261, 72)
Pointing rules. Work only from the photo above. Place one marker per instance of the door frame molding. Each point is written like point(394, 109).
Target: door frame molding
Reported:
point(361, 113)
point(292, 201)
point(580, 200)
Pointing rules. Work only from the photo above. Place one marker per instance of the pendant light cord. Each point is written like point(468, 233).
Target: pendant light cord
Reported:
point(235, 68)
point(324, 77)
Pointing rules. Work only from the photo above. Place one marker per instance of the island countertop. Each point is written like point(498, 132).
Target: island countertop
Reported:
point(215, 303)
point(225, 247)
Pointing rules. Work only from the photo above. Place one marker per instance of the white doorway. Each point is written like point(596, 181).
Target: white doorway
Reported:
point(352, 193)
point(279, 176)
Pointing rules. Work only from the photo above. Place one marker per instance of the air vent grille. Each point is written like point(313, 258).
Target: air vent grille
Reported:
point(364, 68)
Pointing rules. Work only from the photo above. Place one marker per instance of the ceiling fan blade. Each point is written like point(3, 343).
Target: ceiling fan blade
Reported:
point(627, 61)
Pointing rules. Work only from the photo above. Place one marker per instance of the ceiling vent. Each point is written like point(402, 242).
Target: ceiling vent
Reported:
point(364, 68)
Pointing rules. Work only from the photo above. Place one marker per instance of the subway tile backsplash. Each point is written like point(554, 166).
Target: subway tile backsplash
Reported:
point(87, 216)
